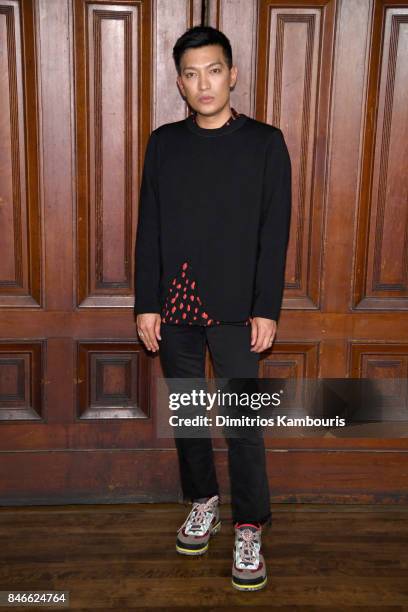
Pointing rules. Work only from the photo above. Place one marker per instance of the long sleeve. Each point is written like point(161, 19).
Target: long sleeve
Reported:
point(147, 246)
point(274, 230)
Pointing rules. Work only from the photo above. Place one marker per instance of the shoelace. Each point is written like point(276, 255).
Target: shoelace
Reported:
point(197, 516)
point(248, 552)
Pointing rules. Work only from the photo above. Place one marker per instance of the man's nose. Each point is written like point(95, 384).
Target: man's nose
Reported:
point(203, 83)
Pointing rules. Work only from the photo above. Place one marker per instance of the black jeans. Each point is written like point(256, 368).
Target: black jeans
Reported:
point(182, 355)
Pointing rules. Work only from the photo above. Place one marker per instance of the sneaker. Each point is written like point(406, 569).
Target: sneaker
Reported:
point(202, 522)
point(248, 568)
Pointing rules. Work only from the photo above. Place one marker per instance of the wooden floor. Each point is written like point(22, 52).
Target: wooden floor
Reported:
point(119, 557)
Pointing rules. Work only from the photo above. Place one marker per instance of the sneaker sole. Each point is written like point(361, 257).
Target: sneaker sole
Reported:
point(249, 587)
point(198, 551)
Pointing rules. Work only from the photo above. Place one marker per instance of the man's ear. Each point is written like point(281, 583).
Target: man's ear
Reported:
point(180, 86)
point(233, 75)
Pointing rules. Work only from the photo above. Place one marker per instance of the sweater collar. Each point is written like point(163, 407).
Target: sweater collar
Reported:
point(235, 121)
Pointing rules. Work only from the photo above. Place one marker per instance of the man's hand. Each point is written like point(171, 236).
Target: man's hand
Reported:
point(262, 334)
point(148, 328)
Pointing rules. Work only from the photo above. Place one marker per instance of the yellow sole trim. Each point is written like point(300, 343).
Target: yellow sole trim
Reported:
point(250, 587)
point(188, 551)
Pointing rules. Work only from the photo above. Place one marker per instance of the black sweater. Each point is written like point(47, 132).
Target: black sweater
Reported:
point(221, 199)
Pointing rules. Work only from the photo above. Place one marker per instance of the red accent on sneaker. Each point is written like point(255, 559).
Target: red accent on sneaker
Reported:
point(239, 525)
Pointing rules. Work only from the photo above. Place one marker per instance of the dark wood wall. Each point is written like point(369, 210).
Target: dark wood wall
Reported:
point(82, 84)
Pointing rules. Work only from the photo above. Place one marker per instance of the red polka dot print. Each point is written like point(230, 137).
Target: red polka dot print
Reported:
point(179, 304)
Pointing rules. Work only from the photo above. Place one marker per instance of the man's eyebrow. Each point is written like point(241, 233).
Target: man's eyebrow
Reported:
point(195, 67)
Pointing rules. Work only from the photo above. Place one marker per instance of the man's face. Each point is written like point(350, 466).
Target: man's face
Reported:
point(204, 73)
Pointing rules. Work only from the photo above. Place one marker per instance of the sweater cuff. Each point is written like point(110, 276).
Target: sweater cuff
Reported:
point(265, 313)
point(142, 307)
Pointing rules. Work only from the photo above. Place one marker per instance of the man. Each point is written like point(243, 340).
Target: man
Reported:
point(210, 256)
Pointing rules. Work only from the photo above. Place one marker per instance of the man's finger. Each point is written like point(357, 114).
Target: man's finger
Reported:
point(148, 339)
point(268, 341)
point(266, 344)
point(145, 338)
point(263, 341)
point(259, 340)
point(258, 337)
point(148, 328)
point(152, 339)
point(254, 332)
point(157, 329)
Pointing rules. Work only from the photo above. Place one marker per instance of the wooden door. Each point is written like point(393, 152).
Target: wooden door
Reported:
point(82, 84)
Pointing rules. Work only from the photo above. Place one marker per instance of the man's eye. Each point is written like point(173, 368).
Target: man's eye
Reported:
point(215, 69)
point(189, 74)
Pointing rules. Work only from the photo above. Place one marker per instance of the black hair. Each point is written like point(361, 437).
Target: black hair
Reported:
point(199, 36)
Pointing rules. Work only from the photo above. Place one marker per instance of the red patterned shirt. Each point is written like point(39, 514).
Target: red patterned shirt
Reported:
point(183, 304)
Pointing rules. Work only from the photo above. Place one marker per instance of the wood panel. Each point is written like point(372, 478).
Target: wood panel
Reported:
point(114, 381)
point(129, 475)
point(22, 367)
point(381, 271)
point(113, 67)
point(20, 261)
point(293, 85)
